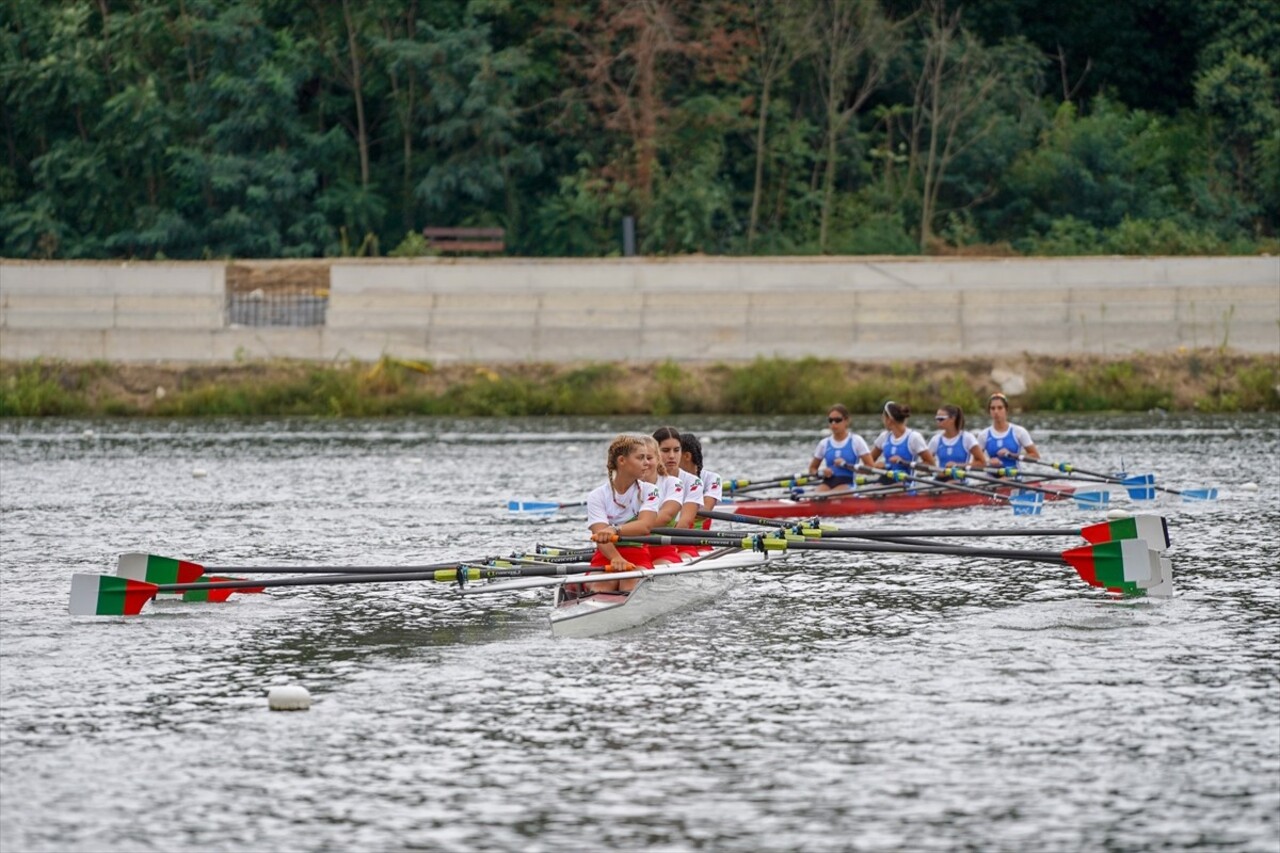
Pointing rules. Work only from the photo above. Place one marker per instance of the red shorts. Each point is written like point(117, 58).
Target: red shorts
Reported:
point(690, 550)
point(670, 553)
point(638, 555)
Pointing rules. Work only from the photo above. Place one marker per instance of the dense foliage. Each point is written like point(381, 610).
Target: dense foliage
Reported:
point(301, 128)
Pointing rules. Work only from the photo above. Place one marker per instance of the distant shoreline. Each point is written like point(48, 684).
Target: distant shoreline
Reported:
point(1209, 380)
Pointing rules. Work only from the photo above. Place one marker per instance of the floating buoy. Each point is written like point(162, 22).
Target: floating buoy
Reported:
point(88, 434)
point(1249, 487)
point(1118, 513)
point(292, 697)
point(199, 472)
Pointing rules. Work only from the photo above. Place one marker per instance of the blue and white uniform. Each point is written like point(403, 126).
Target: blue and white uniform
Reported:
point(909, 447)
point(952, 451)
point(851, 450)
point(1015, 439)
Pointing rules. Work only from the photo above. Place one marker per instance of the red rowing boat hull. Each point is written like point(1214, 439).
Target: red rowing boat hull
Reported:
point(867, 504)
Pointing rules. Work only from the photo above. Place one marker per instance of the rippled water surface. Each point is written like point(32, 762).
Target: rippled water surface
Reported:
point(830, 702)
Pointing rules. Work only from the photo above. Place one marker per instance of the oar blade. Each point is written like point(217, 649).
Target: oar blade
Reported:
point(155, 569)
point(532, 507)
point(1141, 487)
point(1027, 503)
point(1154, 529)
point(108, 595)
point(1091, 500)
point(1126, 566)
point(1191, 495)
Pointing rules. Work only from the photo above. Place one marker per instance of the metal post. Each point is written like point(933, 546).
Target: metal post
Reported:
point(628, 236)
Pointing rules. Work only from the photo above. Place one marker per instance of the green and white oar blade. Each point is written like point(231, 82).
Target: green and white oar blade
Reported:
point(154, 569)
point(1128, 566)
point(108, 595)
point(1153, 528)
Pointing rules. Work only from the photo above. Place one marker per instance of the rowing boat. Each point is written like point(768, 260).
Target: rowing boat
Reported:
point(892, 502)
point(659, 592)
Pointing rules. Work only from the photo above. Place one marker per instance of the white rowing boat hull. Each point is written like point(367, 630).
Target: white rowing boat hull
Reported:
point(654, 596)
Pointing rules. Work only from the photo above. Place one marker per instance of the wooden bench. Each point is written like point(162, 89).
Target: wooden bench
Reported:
point(465, 239)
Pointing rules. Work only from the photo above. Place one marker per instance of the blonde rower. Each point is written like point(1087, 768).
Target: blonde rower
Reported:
point(624, 505)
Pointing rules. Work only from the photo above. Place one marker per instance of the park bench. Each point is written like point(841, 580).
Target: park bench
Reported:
point(465, 239)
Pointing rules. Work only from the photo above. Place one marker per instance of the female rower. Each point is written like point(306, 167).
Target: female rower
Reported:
point(712, 485)
point(953, 447)
point(899, 445)
point(670, 455)
point(836, 457)
point(625, 505)
point(671, 503)
point(1005, 442)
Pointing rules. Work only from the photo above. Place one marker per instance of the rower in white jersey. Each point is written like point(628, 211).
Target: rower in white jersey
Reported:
point(623, 506)
point(670, 454)
point(671, 503)
point(712, 483)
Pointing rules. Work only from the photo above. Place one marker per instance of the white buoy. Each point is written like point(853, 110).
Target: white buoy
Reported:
point(199, 472)
point(291, 697)
point(88, 433)
point(1118, 513)
point(1249, 487)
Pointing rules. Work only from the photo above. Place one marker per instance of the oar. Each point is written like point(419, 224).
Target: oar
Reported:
point(904, 477)
point(1132, 483)
point(1152, 528)
point(1129, 566)
point(962, 474)
point(532, 583)
point(782, 481)
point(113, 595)
point(541, 507)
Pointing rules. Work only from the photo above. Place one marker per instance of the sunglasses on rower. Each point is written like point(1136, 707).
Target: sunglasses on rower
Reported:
point(835, 420)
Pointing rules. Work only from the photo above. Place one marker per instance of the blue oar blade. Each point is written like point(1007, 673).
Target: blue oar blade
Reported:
point(1027, 503)
point(1199, 494)
point(532, 506)
point(1092, 500)
point(1139, 487)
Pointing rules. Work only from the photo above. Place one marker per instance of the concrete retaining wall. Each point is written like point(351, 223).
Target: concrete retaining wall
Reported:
point(704, 309)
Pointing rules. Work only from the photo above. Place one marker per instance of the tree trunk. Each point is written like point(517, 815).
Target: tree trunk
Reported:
point(362, 136)
point(758, 190)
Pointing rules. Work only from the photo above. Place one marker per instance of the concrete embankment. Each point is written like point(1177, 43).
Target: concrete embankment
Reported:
point(684, 309)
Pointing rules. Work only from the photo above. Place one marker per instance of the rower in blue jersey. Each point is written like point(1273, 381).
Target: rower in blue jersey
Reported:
point(951, 445)
point(1004, 442)
point(837, 456)
point(899, 445)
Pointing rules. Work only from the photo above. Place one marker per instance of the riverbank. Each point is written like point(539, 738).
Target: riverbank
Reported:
point(1208, 380)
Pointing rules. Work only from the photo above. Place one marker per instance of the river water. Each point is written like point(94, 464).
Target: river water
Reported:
point(831, 702)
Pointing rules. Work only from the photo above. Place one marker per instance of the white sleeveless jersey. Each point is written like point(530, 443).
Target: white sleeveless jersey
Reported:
point(605, 506)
